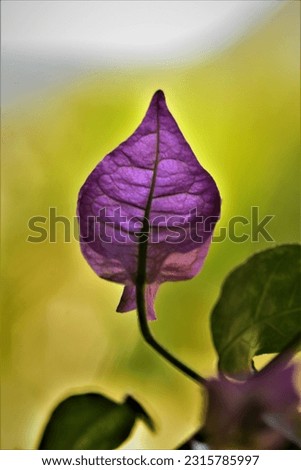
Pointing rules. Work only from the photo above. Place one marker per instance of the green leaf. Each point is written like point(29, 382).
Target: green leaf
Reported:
point(259, 308)
point(92, 422)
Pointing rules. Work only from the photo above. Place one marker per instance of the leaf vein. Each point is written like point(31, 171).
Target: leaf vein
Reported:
point(263, 320)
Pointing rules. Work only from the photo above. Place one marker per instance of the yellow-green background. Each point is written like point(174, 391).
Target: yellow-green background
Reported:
point(239, 110)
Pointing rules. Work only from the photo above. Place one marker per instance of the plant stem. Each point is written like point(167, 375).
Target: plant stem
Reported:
point(148, 337)
point(141, 276)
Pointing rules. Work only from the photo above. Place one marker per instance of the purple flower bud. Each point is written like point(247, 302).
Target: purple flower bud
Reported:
point(259, 413)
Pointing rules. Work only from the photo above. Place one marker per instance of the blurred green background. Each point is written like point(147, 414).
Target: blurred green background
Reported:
point(239, 110)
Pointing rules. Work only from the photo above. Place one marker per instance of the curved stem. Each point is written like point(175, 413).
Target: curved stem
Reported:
point(147, 335)
point(141, 276)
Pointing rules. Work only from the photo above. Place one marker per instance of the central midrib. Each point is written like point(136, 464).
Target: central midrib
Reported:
point(143, 241)
point(153, 182)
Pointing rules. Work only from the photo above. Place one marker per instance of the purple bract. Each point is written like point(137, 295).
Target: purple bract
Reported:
point(152, 176)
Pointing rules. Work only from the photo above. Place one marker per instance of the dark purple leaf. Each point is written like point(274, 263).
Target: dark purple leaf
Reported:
point(151, 180)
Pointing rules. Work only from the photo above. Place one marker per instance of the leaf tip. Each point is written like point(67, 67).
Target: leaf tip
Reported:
point(159, 96)
point(140, 412)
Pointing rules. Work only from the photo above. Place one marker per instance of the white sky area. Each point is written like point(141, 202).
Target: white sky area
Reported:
point(127, 30)
point(72, 34)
